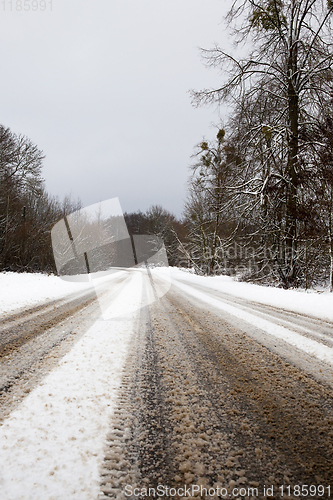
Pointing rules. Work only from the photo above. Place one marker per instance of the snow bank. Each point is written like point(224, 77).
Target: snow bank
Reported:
point(318, 305)
point(28, 289)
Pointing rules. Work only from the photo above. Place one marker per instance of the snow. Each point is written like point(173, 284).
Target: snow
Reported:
point(311, 347)
point(19, 290)
point(311, 303)
point(52, 445)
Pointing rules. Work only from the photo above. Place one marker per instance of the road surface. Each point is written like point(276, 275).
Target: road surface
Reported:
point(207, 399)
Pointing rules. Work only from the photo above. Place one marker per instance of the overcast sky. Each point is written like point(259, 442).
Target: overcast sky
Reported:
point(102, 88)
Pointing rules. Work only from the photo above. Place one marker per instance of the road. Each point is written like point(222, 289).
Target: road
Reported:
point(207, 399)
point(33, 340)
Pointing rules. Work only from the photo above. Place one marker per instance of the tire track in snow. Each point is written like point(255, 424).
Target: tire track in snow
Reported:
point(208, 405)
point(15, 332)
point(315, 348)
point(135, 452)
point(52, 445)
point(315, 328)
point(35, 340)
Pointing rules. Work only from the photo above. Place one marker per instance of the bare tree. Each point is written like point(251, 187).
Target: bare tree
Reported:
point(27, 212)
point(159, 222)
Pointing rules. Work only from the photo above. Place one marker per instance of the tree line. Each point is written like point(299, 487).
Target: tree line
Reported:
point(261, 194)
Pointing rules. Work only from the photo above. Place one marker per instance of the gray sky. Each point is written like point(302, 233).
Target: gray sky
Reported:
point(102, 88)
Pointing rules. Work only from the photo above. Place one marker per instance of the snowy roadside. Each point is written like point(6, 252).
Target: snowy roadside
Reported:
point(318, 305)
point(52, 445)
point(21, 290)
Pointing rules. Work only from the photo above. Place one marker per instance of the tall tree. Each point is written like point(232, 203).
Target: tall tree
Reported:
point(208, 207)
point(289, 65)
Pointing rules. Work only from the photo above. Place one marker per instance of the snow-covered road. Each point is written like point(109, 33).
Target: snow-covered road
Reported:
point(215, 382)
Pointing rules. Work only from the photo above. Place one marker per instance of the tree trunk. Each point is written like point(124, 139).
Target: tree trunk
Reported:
point(291, 197)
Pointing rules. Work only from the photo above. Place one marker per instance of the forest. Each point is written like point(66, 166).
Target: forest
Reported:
point(27, 212)
point(260, 195)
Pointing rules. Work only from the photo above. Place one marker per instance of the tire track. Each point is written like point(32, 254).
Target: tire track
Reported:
point(207, 405)
point(25, 365)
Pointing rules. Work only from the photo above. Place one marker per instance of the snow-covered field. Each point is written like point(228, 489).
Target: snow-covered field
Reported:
point(52, 445)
